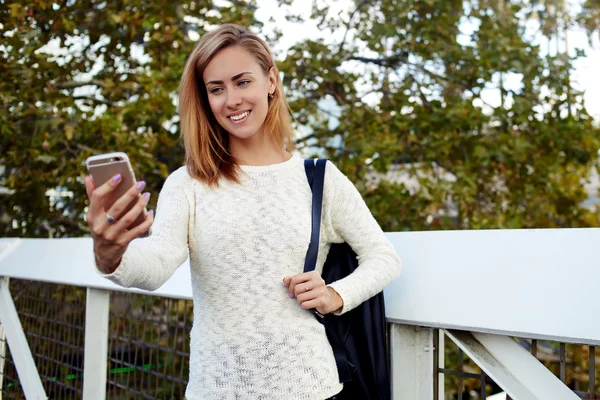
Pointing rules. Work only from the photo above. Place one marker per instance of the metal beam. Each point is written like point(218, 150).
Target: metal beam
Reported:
point(512, 367)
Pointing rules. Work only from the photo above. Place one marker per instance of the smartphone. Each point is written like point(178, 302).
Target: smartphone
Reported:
point(104, 167)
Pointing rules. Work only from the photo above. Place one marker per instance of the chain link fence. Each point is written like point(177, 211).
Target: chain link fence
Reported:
point(148, 342)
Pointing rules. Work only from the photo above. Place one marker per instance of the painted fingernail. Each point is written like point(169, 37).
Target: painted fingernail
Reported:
point(291, 296)
point(147, 196)
point(151, 212)
point(141, 185)
point(116, 178)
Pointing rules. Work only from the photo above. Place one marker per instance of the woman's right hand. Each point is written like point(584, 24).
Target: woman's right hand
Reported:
point(112, 238)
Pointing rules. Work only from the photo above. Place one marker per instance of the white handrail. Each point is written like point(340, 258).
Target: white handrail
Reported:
point(71, 262)
point(535, 283)
point(526, 283)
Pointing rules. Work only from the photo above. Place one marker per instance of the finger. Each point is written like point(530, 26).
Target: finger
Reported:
point(124, 222)
point(314, 303)
point(313, 281)
point(309, 295)
point(118, 209)
point(89, 185)
point(296, 280)
point(101, 192)
point(140, 229)
point(302, 288)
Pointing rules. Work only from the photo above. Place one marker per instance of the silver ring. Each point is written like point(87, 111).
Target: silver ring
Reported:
point(306, 289)
point(110, 218)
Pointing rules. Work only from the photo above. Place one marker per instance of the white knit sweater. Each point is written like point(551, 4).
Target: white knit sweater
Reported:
point(249, 339)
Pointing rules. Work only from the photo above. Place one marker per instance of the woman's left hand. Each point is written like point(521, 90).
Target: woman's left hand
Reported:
point(310, 291)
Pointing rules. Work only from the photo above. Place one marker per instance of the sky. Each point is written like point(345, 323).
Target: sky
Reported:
point(584, 78)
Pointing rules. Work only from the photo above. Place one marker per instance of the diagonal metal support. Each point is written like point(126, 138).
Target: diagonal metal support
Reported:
point(5, 249)
point(512, 367)
point(19, 348)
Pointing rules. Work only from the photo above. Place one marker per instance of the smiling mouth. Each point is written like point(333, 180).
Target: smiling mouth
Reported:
point(239, 117)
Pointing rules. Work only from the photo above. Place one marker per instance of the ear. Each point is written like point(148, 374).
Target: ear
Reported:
point(272, 79)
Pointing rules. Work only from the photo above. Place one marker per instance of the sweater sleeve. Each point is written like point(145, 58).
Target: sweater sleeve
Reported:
point(350, 220)
point(149, 262)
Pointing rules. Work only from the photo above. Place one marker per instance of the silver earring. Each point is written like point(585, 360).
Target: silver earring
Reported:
point(270, 95)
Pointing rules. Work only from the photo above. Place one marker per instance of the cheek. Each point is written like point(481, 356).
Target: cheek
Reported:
point(261, 100)
point(215, 105)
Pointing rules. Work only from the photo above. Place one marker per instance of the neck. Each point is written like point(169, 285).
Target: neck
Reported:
point(257, 151)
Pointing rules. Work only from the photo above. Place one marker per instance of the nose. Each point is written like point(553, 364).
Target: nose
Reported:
point(234, 100)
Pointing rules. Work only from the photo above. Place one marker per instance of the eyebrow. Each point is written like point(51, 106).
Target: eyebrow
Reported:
point(233, 78)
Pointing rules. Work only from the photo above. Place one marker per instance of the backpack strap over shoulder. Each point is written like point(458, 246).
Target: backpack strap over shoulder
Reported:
point(315, 173)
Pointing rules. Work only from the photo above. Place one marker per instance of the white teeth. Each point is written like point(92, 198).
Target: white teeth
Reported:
point(241, 116)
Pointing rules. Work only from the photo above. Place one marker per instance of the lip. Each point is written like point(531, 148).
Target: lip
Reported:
point(238, 113)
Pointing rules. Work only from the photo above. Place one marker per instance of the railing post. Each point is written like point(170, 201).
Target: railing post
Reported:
point(441, 363)
point(96, 344)
point(19, 348)
point(412, 362)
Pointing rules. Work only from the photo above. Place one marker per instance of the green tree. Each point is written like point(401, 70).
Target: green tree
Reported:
point(110, 86)
point(406, 87)
point(590, 16)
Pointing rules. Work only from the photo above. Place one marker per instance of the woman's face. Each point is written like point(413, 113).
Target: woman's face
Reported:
point(238, 90)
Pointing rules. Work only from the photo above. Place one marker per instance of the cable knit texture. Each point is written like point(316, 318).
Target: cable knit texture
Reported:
point(249, 339)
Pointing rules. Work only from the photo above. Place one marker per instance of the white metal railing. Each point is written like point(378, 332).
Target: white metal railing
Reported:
point(516, 283)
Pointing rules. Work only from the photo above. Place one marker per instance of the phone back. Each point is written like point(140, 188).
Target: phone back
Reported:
point(105, 167)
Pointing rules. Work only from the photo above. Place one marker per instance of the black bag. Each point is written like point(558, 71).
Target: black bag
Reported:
point(358, 337)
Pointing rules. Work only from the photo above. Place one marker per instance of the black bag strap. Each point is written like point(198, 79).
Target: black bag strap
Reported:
point(315, 173)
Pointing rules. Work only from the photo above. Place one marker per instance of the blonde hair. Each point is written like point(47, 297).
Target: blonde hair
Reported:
point(206, 142)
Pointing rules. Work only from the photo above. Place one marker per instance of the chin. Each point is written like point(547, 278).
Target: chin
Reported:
point(243, 133)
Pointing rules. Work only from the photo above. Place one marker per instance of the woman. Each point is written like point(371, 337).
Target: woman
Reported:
point(241, 208)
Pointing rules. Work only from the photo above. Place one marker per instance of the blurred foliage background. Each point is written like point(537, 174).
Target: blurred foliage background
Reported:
point(397, 102)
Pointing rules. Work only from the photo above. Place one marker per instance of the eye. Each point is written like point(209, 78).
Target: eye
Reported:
point(243, 83)
point(215, 90)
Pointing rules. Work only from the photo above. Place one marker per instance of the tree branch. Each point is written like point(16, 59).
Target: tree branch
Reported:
point(397, 58)
point(307, 137)
point(402, 59)
point(328, 113)
point(358, 7)
point(422, 96)
point(447, 169)
point(384, 62)
point(181, 15)
point(73, 84)
point(93, 99)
